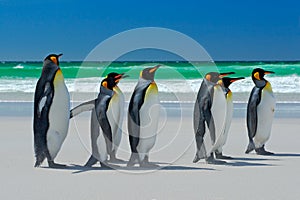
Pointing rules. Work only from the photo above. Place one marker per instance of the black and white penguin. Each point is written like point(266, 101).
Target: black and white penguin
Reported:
point(209, 109)
point(260, 112)
point(107, 114)
point(218, 147)
point(51, 112)
point(143, 116)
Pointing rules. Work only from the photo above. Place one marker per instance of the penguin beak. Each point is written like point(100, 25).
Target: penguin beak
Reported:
point(59, 55)
point(154, 69)
point(226, 74)
point(269, 72)
point(120, 76)
point(236, 79)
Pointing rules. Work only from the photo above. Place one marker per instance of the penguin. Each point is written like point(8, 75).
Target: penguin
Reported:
point(225, 83)
point(51, 112)
point(143, 116)
point(111, 127)
point(209, 108)
point(260, 112)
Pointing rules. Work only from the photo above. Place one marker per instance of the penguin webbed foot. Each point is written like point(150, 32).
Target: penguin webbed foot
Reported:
point(54, 165)
point(196, 159)
point(104, 165)
point(92, 160)
point(262, 151)
point(133, 160)
point(221, 156)
point(250, 147)
point(114, 159)
point(212, 160)
point(146, 164)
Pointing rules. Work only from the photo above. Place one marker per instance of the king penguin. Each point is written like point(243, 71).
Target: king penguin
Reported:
point(51, 112)
point(112, 115)
point(260, 112)
point(143, 115)
point(226, 82)
point(210, 108)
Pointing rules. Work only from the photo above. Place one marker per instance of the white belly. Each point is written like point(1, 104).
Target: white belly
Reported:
point(218, 110)
point(265, 115)
point(149, 116)
point(101, 145)
point(115, 117)
point(223, 137)
point(58, 118)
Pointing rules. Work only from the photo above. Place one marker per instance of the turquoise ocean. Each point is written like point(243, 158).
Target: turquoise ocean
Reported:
point(177, 81)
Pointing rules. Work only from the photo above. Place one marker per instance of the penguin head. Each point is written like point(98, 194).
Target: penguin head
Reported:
point(117, 77)
point(215, 77)
point(108, 83)
point(148, 73)
point(258, 74)
point(227, 81)
point(53, 58)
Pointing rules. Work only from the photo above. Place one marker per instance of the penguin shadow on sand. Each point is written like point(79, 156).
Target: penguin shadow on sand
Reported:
point(285, 155)
point(159, 166)
point(246, 162)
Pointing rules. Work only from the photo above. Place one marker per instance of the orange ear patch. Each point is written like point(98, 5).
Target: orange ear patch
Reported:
point(208, 77)
point(104, 84)
point(256, 75)
point(54, 59)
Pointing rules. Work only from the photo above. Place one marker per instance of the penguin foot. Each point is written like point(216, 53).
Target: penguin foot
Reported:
point(221, 156)
point(92, 160)
point(133, 160)
point(52, 164)
point(262, 151)
point(105, 165)
point(148, 165)
point(213, 161)
point(114, 159)
point(196, 159)
point(250, 147)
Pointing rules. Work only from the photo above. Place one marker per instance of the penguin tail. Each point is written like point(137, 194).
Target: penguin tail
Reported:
point(250, 147)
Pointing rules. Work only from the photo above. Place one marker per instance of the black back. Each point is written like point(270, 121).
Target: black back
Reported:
point(44, 92)
point(135, 104)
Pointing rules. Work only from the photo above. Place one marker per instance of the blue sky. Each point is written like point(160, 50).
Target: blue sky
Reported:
point(228, 30)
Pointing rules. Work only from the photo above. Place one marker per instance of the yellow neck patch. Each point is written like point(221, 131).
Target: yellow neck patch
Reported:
point(268, 87)
point(58, 77)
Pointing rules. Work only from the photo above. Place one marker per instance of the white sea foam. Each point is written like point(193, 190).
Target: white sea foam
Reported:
point(289, 84)
point(19, 66)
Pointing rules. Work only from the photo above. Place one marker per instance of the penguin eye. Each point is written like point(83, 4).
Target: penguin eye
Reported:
point(54, 59)
point(104, 84)
point(256, 75)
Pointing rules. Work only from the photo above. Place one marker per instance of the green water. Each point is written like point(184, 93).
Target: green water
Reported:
point(169, 70)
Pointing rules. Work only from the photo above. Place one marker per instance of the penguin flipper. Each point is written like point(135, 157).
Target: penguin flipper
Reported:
point(101, 109)
point(42, 101)
point(254, 100)
point(47, 95)
point(86, 106)
point(135, 104)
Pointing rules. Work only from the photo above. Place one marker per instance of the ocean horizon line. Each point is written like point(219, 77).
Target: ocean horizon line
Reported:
point(154, 61)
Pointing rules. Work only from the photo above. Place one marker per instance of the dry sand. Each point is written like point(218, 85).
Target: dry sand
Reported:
point(246, 177)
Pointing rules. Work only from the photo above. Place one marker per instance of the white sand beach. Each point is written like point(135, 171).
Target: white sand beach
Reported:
point(246, 177)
